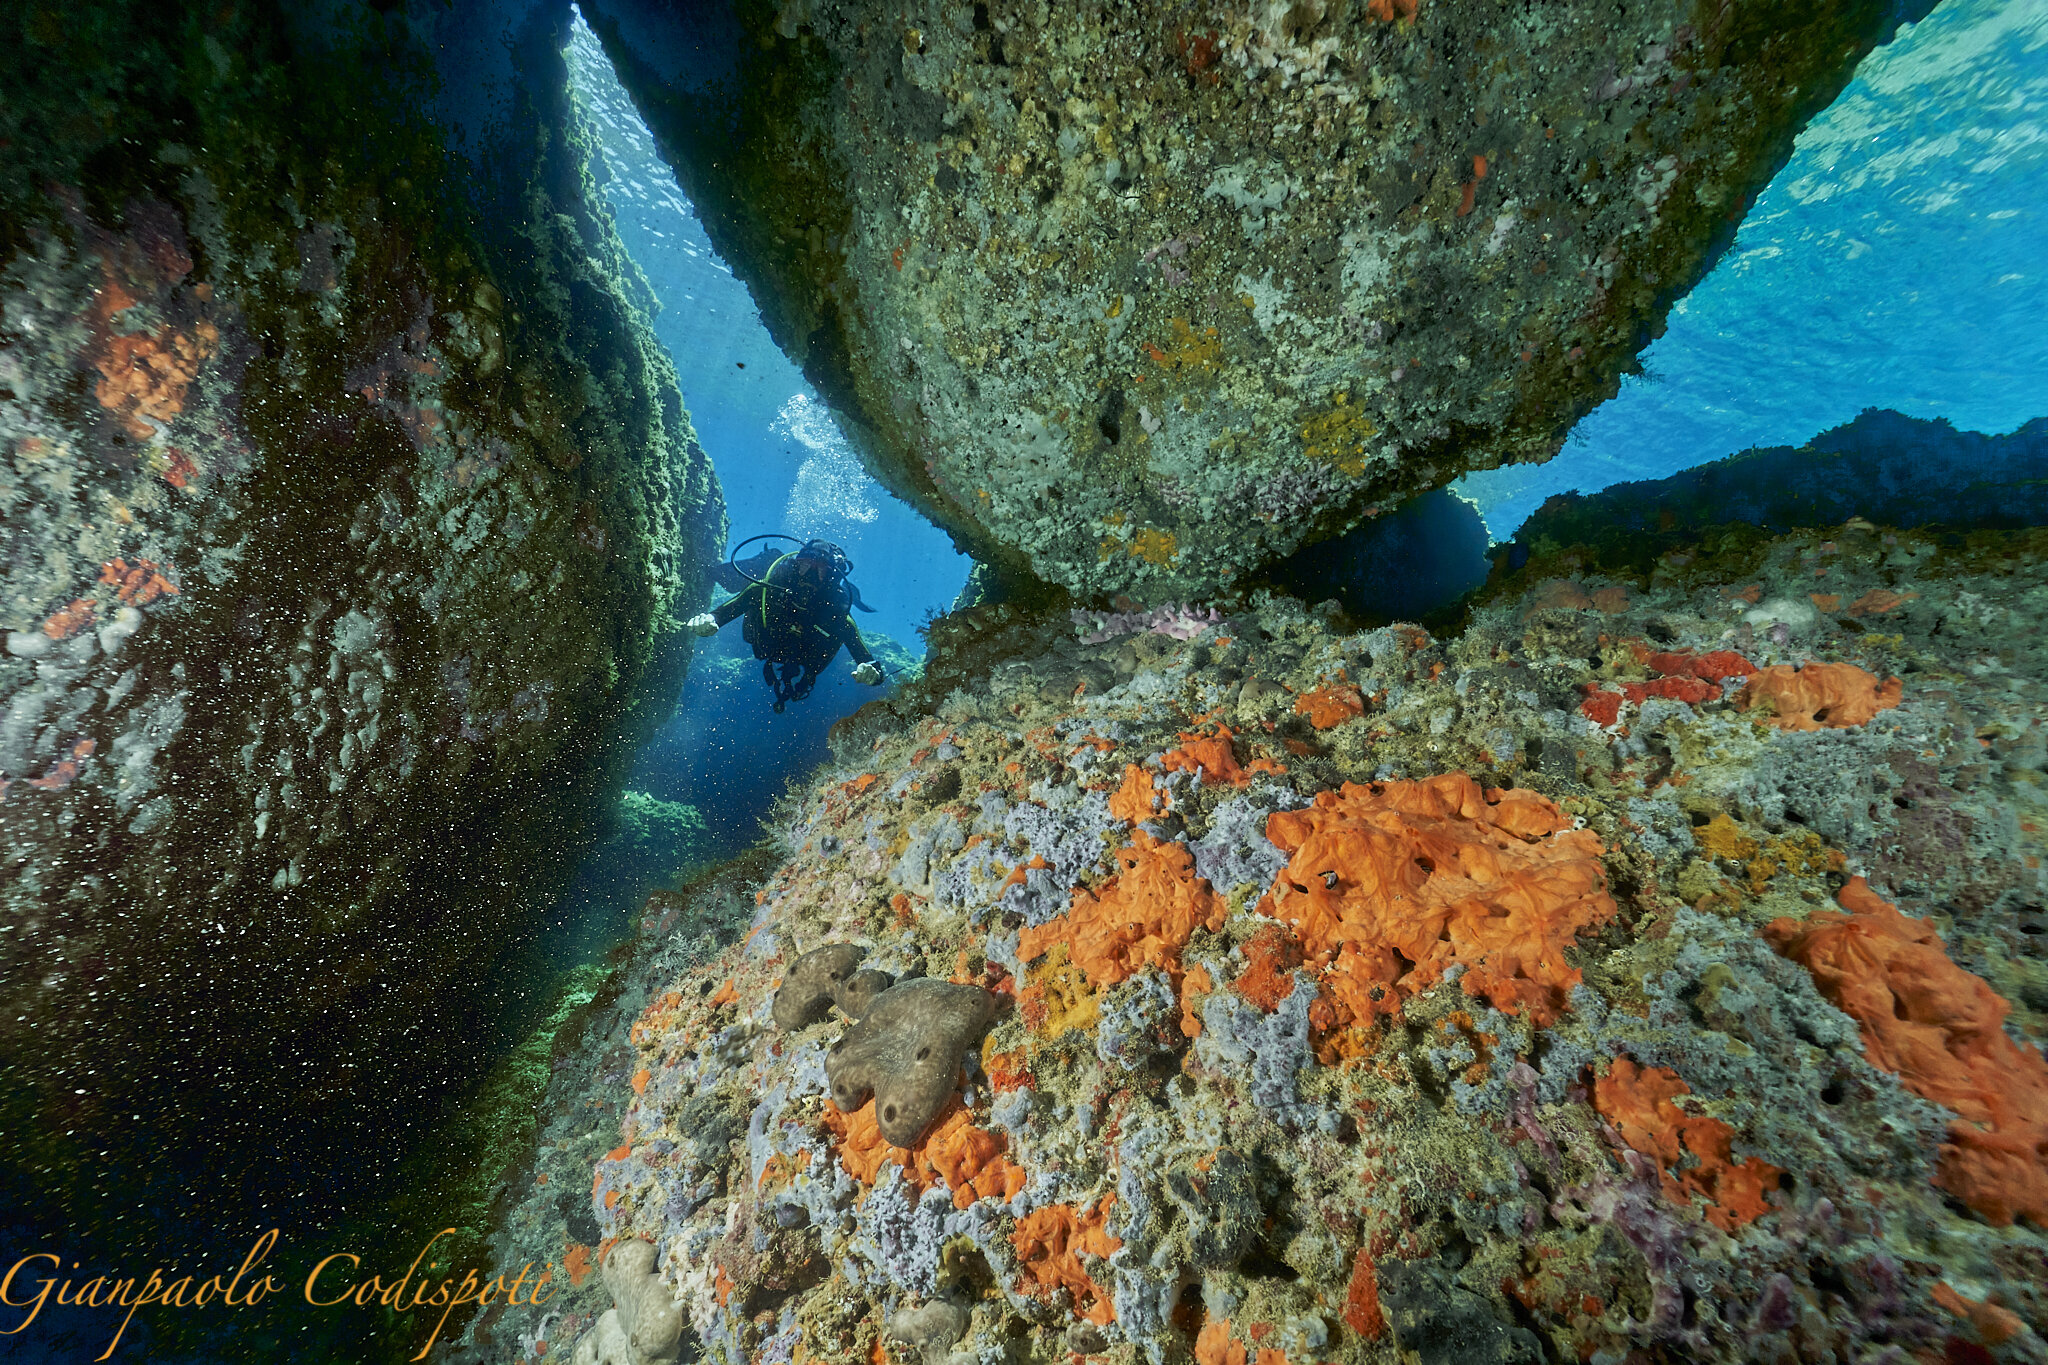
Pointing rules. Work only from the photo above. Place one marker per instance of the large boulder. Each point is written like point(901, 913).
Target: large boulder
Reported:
point(347, 512)
point(1137, 298)
point(1534, 993)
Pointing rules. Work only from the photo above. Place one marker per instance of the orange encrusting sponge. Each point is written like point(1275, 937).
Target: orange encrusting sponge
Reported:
point(973, 1163)
point(1638, 1101)
point(1390, 884)
point(1142, 918)
point(1136, 801)
point(1330, 705)
point(1050, 1242)
point(1941, 1029)
point(1819, 696)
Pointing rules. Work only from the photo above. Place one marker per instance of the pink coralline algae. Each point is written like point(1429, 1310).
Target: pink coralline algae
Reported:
point(1173, 249)
point(1177, 620)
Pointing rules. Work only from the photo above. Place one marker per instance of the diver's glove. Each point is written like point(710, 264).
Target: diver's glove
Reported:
point(703, 623)
point(868, 673)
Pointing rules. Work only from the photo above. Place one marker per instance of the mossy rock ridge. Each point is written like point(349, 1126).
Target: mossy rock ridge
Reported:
point(1884, 467)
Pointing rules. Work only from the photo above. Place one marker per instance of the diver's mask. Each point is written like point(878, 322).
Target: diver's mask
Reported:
point(828, 559)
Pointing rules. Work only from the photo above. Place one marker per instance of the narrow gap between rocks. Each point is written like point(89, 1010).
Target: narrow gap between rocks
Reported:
point(709, 776)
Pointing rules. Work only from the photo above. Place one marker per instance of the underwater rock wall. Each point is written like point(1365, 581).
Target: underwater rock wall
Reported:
point(347, 513)
point(1136, 298)
point(1886, 467)
point(1536, 994)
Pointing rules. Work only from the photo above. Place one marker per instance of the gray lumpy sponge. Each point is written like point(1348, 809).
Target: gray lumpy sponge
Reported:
point(645, 1324)
point(906, 1052)
point(813, 983)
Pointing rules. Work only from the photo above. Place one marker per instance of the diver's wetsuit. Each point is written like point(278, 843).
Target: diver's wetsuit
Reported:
point(796, 621)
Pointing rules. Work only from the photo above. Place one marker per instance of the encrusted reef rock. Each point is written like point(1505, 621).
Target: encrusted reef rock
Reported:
point(1550, 992)
point(347, 508)
point(1136, 297)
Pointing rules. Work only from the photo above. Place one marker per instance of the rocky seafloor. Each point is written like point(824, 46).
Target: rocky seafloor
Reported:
point(1653, 969)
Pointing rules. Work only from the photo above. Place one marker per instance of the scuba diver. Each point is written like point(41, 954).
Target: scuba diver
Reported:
point(797, 608)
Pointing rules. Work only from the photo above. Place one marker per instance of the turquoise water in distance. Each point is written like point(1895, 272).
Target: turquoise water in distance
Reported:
point(1900, 260)
point(778, 452)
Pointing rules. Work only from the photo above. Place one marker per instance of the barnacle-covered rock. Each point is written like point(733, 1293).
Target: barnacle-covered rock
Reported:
point(712, 1124)
point(905, 1051)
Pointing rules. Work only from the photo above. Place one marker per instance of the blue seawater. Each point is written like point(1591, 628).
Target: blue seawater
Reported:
point(779, 453)
point(1899, 260)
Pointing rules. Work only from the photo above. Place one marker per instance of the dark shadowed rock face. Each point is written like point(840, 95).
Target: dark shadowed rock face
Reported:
point(1137, 297)
point(344, 526)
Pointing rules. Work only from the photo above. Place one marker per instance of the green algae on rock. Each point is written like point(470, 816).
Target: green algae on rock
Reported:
point(346, 535)
point(657, 844)
point(1693, 1158)
point(1136, 299)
